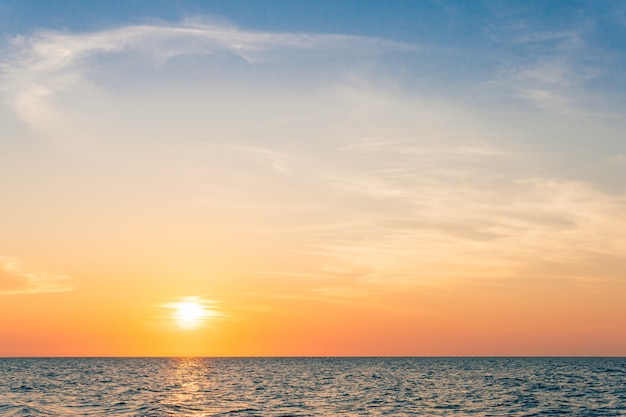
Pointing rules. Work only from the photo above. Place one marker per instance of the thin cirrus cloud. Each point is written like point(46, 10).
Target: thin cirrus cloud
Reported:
point(48, 63)
point(17, 277)
point(549, 68)
point(464, 232)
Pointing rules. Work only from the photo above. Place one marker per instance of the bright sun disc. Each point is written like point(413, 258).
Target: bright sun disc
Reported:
point(189, 314)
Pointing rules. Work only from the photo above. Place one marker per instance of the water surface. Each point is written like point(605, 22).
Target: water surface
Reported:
point(313, 387)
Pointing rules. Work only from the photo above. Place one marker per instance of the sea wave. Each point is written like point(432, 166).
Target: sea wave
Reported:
point(312, 386)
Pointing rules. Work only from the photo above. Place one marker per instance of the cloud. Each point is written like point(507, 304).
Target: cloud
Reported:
point(550, 67)
point(560, 40)
point(554, 84)
point(277, 160)
point(49, 63)
point(548, 100)
point(464, 232)
point(16, 277)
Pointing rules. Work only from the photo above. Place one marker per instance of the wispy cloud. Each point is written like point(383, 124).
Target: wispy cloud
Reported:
point(50, 62)
point(465, 232)
point(549, 67)
point(17, 277)
point(562, 40)
point(277, 160)
point(548, 100)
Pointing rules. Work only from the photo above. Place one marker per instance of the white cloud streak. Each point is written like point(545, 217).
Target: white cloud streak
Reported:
point(49, 62)
point(16, 277)
point(466, 232)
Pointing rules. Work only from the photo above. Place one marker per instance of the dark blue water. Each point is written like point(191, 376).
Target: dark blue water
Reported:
point(313, 387)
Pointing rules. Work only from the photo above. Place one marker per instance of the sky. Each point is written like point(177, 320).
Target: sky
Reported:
point(312, 178)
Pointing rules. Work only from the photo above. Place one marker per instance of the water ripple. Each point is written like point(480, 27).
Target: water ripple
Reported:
point(313, 387)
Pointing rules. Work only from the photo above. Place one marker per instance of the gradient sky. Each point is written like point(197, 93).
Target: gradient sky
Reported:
point(324, 177)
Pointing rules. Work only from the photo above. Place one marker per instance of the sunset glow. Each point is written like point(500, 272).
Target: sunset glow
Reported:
point(190, 313)
point(238, 178)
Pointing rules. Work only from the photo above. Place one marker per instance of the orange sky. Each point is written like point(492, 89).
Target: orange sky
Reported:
point(482, 319)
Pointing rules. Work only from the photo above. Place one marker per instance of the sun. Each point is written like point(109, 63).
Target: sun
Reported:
point(191, 312)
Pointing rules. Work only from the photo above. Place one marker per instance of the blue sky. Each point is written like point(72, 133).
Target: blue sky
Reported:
point(472, 37)
point(446, 22)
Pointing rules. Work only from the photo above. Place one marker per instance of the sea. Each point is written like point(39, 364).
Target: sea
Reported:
point(313, 386)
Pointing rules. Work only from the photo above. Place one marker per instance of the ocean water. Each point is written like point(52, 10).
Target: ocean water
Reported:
point(313, 387)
